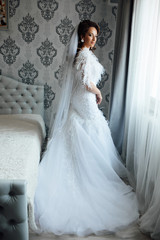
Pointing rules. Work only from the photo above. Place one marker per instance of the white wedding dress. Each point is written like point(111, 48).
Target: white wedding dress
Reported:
point(79, 186)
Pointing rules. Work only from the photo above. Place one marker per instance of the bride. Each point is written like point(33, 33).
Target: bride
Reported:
point(80, 189)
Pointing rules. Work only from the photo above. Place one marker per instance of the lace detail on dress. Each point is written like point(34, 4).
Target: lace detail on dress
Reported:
point(88, 67)
point(82, 67)
point(70, 165)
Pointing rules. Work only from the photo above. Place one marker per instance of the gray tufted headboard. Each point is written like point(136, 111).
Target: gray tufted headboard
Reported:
point(17, 97)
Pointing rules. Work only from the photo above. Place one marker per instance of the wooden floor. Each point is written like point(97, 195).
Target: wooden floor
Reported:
point(131, 233)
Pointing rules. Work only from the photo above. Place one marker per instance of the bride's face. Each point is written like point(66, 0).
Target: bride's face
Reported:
point(90, 38)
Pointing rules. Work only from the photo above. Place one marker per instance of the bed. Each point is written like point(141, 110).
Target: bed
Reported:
point(22, 132)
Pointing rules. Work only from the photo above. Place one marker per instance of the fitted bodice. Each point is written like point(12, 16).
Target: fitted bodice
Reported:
point(86, 69)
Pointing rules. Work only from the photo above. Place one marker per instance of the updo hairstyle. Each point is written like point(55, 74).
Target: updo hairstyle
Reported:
point(83, 29)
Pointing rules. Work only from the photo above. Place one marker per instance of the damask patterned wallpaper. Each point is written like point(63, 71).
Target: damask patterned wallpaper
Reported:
point(31, 50)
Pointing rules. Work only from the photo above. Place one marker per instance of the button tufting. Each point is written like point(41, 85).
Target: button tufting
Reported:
point(12, 222)
point(11, 193)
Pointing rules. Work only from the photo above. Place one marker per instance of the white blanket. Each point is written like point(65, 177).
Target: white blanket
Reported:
point(21, 137)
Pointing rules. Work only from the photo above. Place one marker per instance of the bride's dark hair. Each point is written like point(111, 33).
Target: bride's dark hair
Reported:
point(83, 29)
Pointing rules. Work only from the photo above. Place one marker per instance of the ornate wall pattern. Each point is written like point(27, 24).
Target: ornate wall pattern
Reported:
point(31, 50)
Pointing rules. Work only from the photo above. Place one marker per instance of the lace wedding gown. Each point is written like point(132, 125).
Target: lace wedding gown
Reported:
point(79, 186)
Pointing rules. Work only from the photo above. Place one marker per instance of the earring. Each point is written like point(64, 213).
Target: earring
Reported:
point(82, 40)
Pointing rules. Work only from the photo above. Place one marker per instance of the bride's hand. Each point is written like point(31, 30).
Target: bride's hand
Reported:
point(96, 91)
point(99, 98)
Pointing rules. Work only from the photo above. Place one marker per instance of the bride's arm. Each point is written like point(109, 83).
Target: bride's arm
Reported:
point(96, 91)
point(81, 61)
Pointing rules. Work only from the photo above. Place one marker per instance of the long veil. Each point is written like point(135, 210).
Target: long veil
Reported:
point(67, 77)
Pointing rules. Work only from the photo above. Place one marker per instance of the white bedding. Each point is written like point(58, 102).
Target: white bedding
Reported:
point(21, 137)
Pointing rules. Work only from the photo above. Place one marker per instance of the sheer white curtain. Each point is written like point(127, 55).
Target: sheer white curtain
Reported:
point(141, 147)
